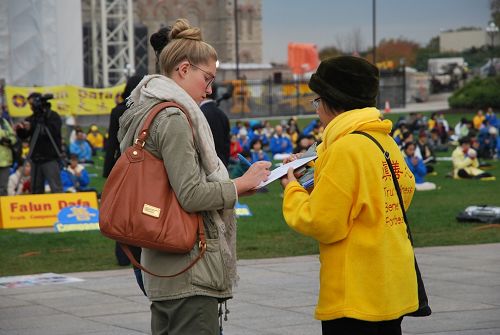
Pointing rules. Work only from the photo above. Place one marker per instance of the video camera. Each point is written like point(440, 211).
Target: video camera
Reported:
point(40, 103)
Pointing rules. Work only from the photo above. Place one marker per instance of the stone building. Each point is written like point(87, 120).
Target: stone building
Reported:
point(216, 18)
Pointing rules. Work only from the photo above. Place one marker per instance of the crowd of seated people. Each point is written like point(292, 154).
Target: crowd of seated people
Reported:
point(471, 141)
point(261, 141)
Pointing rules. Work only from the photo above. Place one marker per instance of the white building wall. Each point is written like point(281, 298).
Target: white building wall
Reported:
point(41, 42)
point(459, 41)
point(4, 41)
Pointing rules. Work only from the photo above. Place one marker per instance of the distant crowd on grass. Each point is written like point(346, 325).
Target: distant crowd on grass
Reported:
point(257, 140)
point(470, 142)
point(77, 153)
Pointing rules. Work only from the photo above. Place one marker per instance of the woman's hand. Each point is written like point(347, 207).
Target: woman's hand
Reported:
point(288, 178)
point(292, 158)
point(256, 173)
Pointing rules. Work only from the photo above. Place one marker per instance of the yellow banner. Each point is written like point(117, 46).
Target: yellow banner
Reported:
point(40, 210)
point(67, 99)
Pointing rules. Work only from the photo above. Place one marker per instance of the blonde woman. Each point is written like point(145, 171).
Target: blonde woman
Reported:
point(187, 304)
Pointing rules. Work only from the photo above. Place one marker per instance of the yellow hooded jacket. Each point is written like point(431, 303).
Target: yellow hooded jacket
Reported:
point(367, 261)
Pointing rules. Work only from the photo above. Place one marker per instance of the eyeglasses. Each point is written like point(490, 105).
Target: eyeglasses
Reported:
point(315, 103)
point(211, 77)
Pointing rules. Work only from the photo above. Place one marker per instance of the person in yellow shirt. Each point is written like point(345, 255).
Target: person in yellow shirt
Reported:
point(465, 162)
point(478, 119)
point(368, 280)
point(95, 138)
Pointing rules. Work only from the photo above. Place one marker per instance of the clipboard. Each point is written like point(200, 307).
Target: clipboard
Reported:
point(282, 170)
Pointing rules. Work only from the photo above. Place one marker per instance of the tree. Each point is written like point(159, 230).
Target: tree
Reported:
point(396, 49)
point(431, 50)
point(433, 44)
point(329, 52)
point(495, 11)
point(350, 43)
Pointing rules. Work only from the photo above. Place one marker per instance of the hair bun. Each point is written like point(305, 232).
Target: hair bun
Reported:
point(160, 39)
point(183, 30)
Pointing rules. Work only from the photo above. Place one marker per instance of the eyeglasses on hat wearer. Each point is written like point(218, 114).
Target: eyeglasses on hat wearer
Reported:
point(315, 103)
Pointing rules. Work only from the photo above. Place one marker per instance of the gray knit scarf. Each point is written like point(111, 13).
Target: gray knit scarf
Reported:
point(158, 87)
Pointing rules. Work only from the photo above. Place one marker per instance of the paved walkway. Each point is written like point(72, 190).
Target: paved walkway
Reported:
point(274, 296)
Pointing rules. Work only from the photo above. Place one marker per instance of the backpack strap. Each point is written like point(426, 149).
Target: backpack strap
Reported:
point(394, 179)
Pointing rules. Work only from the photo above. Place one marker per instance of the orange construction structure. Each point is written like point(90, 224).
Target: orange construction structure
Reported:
point(302, 57)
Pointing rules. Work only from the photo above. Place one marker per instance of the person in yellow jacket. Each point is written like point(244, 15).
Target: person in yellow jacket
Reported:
point(95, 138)
point(465, 162)
point(367, 277)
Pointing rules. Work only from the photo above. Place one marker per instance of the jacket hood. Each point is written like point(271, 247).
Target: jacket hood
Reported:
point(151, 90)
point(364, 119)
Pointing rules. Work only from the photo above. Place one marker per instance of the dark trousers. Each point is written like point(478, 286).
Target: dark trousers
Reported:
point(193, 315)
point(47, 171)
point(347, 326)
point(4, 179)
point(463, 174)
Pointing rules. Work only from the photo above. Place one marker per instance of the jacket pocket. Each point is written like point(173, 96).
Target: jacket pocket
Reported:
point(209, 271)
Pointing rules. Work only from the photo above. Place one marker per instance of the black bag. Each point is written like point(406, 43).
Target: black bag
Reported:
point(482, 214)
point(423, 302)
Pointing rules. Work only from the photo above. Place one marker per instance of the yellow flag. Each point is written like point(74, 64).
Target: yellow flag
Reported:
point(68, 100)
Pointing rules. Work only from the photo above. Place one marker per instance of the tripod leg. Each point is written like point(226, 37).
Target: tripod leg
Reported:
point(4, 179)
point(37, 180)
point(52, 174)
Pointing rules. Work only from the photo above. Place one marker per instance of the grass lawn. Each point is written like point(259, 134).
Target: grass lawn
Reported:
point(265, 234)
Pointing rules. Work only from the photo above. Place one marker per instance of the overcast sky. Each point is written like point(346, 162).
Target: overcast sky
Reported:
point(324, 22)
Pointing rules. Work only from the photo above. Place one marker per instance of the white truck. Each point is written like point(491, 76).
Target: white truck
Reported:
point(446, 74)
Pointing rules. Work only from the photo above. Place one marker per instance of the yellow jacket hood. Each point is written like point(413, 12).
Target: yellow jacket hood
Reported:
point(357, 119)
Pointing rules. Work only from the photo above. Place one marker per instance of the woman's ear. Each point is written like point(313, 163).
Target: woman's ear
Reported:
point(183, 68)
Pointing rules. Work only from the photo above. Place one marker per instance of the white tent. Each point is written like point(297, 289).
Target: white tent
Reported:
point(41, 42)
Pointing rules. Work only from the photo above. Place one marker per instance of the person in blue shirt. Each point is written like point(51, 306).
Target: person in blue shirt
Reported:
point(487, 138)
point(257, 153)
point(258, 132)
point(75, 178)
point(236, 128)
point(244, 139)
point(308, 129)
point(417, 167)
point(81, 148)
point(280, 144)
point(491, 117)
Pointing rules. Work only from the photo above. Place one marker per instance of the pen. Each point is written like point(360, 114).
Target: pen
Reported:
point(244, 160)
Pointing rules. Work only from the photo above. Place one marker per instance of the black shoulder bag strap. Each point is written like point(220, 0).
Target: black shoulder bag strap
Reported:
point(423, 301)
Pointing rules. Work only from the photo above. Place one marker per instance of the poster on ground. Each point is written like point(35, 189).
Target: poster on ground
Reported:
point(36, 280)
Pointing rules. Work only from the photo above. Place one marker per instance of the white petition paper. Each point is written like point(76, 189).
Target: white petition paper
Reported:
point(283, 169)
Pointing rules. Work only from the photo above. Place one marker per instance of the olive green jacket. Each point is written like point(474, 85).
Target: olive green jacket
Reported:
point(171, 139)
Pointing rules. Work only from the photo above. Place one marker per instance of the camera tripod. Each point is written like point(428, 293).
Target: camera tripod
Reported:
point(40, 128)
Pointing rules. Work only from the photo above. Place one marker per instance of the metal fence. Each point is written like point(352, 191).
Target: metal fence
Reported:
point(257, 98)
point(266, 98)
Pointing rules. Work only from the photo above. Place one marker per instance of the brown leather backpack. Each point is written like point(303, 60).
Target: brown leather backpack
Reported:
point(139, 207)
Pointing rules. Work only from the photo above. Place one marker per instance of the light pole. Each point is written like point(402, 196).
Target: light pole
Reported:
point(374, 32)
point(236, 40)
point(402, 64)
point(492, 30)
